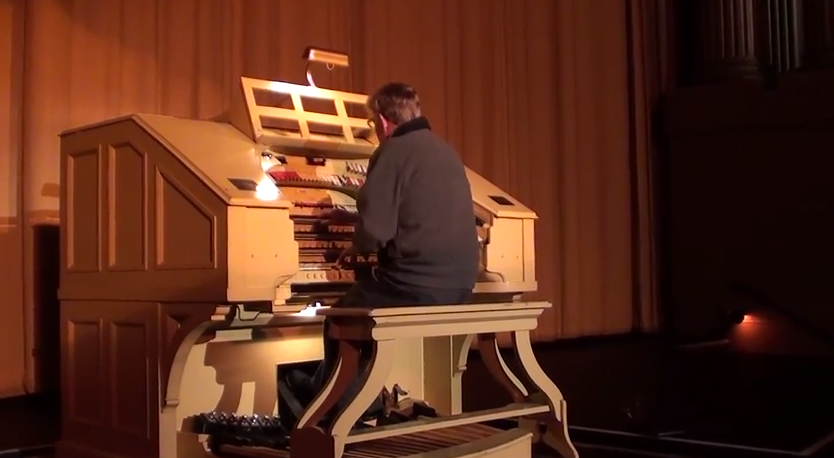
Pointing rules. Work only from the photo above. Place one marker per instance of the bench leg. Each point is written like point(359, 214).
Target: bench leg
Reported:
point(498, 368)
point(308, 440)
point(347, 370)
point(556, 435)
point(373, 382)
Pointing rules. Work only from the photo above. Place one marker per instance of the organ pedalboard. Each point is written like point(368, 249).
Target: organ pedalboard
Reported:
point(242, 430)
point(232, 430)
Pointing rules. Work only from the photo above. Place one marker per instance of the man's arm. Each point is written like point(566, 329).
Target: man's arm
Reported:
point(378, 204)
point(339, 216)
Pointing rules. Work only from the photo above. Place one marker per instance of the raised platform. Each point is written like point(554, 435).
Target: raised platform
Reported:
point(459, 441)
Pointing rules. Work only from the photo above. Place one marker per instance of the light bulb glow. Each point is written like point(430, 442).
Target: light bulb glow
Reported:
point(266, 190)
point(309, 311)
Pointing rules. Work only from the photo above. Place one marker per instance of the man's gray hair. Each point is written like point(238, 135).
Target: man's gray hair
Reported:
point(396, 102)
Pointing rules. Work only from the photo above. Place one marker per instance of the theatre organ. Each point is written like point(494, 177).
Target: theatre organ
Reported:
point(193, 251)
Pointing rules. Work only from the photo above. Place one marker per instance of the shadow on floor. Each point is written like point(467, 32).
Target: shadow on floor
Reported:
point(643, 393)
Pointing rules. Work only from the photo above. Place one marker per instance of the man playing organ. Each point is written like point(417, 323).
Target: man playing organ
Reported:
point(288, 205)
point(415, 213)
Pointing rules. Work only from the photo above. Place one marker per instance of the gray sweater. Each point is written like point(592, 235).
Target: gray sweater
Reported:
point(416, 212)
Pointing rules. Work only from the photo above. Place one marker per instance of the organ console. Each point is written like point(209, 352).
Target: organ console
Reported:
point(193, 255)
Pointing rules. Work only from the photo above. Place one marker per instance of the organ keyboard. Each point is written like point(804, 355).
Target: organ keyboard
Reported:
point(192, 250)
point(316, 185)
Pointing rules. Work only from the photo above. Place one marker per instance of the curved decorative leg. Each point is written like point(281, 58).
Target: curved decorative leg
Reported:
point(308, 440)
point(498, 368)
point(460, 353)
point(461, 346)
point(556, 436)
point(373, 381)
point(347, 369)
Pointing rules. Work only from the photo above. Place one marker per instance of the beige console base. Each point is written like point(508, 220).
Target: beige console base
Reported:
point(138, 371)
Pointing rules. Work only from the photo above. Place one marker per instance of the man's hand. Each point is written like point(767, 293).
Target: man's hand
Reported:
point(338, 216)
point(345, 254)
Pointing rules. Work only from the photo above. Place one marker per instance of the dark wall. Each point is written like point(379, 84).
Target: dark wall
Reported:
point(749, 203)
point(47, 312)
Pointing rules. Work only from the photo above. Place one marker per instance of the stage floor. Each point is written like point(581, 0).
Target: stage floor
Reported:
point(644, 394)
point(632, 397)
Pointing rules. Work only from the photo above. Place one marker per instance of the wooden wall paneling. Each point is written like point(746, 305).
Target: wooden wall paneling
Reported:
point(535, 96)
point(13, 348)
